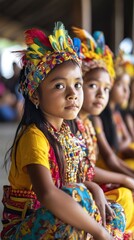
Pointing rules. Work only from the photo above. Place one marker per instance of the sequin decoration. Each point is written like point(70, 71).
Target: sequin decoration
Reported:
point(72, 149)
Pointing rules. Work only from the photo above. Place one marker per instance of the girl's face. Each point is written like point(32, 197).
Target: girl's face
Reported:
point(121, 90)
point(96, 91)
point(61, 94)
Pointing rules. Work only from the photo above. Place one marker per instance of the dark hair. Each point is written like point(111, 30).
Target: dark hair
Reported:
point(109, 127)
point(73, 126)
point(35, 116)
point(31, 115)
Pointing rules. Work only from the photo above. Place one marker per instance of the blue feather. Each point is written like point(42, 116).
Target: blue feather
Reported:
point(100, 40)
point(77, 45)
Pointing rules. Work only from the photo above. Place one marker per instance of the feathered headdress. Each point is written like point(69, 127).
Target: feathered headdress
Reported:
point(44, 53)
point(94, 51)
point(123, 65)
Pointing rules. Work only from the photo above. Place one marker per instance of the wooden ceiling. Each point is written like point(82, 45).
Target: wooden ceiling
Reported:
point(19, 15)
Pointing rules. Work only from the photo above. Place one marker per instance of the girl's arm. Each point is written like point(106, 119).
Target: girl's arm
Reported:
point(108, 155)
point(101, 202)
point(126, 136)
point(61, 204)
point(104, 176)
point(130, 124)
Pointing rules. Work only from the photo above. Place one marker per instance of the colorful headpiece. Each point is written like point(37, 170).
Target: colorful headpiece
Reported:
point(123, 65)
point(94, 52)
point(44, 53)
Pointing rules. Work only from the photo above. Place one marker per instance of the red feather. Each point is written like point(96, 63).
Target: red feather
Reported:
point(30, 34)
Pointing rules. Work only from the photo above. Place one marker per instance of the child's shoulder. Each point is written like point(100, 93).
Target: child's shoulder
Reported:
point(33, 134)
point(33, 129)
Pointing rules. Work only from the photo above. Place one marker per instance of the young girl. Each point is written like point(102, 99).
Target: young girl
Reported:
point(108, 159)
point(98, 73)
point(128, 112)
point(46, 159)
point(116, 131)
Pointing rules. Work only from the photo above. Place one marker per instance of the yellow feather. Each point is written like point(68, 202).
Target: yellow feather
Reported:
point(80, 33)
point(59, 32)
point(35, 47)
point(54, 42)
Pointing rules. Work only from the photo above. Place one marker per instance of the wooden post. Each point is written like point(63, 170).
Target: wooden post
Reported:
point(86, 15)
point(119, 23)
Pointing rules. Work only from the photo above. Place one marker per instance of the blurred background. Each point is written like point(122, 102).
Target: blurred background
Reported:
point(114, 17)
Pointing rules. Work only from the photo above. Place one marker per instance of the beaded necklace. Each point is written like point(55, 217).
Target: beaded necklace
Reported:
point(72, 151)
point(86, 133)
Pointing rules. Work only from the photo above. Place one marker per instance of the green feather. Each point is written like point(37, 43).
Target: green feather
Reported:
point(61, 42)
point(41, 45)
point(54, 45)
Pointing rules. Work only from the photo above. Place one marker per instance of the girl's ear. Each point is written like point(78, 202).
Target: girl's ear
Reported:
point(35, 99)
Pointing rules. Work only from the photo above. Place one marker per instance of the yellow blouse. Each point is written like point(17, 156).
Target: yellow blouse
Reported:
point(33, 148)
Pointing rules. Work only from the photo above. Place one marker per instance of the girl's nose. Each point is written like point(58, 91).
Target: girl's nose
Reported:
point(100, 93)
point(72, 97)
point(71, 94)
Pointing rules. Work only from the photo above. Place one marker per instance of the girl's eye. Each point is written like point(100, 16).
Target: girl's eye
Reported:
point(78, 85)
point(93, 85)
point(59, 86)
point(107, 90)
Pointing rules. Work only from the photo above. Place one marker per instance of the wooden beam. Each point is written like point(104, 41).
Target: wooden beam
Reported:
point(119, 23)
point(86, 15)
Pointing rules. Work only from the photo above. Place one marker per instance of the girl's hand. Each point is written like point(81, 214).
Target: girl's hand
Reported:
point(62, 205)
point(105, 210)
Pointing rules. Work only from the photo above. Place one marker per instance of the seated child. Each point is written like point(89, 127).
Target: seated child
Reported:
point(98, 73)
point(48, 196)
point(115, 129)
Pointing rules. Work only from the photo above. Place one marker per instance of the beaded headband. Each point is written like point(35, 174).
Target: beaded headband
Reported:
point(44, 53)
point(95, 54)
point(123, 66)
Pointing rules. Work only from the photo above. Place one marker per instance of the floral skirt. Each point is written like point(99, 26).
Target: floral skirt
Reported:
point(41, 224)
